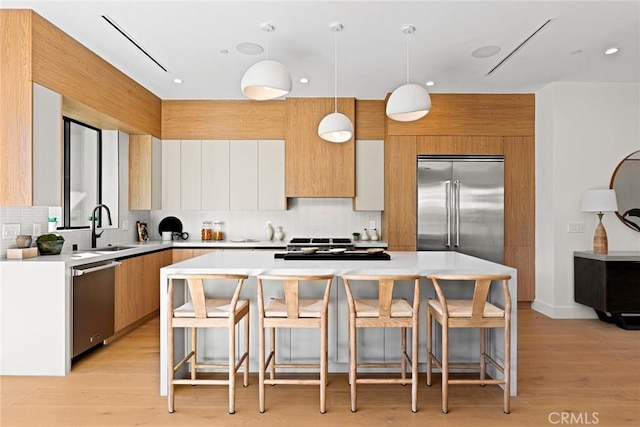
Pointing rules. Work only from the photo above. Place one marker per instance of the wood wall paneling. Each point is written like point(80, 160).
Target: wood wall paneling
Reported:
point(399, 216)
point(205, 119)
point(67, 67)
point(473, 114)
point(370, 119)
point(519, 195)
point(522, 258)
point(16, 104)
point(315, 167)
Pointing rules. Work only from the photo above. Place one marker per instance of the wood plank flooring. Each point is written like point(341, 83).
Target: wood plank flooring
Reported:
point(579, 372)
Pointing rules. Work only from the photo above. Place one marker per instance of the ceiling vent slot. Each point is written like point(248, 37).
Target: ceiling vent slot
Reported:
point(517, 48)
point(118, 28)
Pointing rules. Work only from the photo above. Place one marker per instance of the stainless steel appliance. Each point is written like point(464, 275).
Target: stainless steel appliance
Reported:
point(323, 243)
point(461, 205)
point(93, 304)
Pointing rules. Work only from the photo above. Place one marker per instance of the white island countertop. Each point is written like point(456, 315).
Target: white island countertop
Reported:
point(254, 263)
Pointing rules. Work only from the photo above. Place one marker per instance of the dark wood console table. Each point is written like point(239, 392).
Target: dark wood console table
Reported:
point(609, 284)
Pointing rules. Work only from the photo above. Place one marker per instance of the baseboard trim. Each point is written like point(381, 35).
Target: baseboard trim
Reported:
point(564, 312)
point(124, 331)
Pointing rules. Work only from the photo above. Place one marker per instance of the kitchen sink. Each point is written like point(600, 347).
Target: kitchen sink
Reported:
point(111, 249)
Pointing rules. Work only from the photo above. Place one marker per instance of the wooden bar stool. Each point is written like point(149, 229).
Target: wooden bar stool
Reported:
point(469, 313)
point(292, 312)
point(203, 311)
point(384, 312)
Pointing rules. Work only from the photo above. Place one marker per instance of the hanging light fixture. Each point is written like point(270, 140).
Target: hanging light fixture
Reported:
point(335, 127)
point(409, 102)
point(266, 79)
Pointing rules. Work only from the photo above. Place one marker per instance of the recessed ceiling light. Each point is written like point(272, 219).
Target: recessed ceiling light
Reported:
point(611, 51)
point(177, 81)
point(249, 48)
point(485, 51)
point(304, 80)
point(224, 51)
point(576, 52)
point(430, 83)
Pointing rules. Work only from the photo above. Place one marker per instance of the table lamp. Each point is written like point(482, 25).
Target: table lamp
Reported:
point(599, 201)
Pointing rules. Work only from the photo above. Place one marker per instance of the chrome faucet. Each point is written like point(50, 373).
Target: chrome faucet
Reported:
point(94, 235)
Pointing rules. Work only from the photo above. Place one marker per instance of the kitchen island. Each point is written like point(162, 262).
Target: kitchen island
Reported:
point(463, 346)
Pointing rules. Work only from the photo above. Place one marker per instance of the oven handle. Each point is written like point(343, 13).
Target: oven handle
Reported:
point(80, 272)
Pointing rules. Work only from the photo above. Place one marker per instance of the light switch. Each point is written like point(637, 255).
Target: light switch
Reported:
point(575, 227)
point(10, 231)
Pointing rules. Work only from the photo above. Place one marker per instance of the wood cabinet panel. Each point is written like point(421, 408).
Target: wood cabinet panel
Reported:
point(215, 175)
point(473, 114)
point(205, 119)
point(370, 119)
point(519, 197)
point(399, 216)
point(455, 144)
point(522, 258)
point(67, 67)
point(315, 167)
point(137, 288)
point(140, 172)
point(188, 253)
point(16, 109)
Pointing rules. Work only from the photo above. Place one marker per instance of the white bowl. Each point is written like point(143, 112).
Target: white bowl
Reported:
point(310, 250)
point(337, 250)
point(375, 250)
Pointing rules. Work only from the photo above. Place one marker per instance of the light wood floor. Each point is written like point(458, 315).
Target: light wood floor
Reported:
point(583, 370)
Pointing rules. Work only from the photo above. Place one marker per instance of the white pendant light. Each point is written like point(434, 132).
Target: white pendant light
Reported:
point(335, 127)
point(266, 79)
point(409, 102)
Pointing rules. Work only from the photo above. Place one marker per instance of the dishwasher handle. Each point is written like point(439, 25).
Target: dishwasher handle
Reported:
point(80, 272)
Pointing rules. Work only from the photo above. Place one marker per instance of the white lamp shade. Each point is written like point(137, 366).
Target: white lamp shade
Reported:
point(408, 103)
point(266, 80)
point(599, 201)
point(335, 127)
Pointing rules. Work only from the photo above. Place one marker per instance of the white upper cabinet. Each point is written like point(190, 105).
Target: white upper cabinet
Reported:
point(243, 175)
point(271, 194)
point(156, 173)
point(369, 175)
point(215, 175)
point(171, 174)
point(47, 147)
point(190, 174)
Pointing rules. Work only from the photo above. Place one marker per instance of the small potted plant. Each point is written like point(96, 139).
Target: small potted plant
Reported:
point(356, 236)
point(50, 244)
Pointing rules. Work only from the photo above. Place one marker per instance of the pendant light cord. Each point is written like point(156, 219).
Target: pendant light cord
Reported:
point(407, 33)
point(335, 71)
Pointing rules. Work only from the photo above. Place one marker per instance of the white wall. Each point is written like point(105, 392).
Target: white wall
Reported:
point(583, 131)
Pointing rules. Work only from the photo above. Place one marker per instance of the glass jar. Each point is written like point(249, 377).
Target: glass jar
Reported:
point(218, 233)
point(206, 230)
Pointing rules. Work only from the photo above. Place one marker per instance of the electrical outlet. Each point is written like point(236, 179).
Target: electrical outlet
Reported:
point(575, 227)
point(10, 231)
point(125, 225)
point(372, 225)
point(37, 229)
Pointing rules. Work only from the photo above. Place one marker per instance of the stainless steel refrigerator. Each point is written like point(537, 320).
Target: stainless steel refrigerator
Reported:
point(461, 205)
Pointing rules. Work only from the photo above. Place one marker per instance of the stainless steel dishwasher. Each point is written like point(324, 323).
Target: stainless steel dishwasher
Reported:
point(93, 304)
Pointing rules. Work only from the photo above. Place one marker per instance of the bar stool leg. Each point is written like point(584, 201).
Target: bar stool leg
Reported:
point(273, 350)
point(403, 359)
point(353, 364)
point(170, 373)
point(323, 366)
point(414, 366)
point(429, 346)
point(194, 358)
point(232, 371)
point(261, 364)
point(245, 381)
point(483, 354)
point(507, 368)
point(445, 369)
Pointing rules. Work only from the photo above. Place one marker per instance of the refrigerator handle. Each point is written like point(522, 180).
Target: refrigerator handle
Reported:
point(448, 207)
point(456, 188)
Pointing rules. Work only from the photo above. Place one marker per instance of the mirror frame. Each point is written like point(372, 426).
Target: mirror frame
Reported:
point(611, 185)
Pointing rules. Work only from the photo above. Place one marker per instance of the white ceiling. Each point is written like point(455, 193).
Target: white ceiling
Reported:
point(187, 36)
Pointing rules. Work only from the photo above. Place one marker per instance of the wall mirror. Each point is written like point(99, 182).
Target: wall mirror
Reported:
point(626, 182)
point(90, 175)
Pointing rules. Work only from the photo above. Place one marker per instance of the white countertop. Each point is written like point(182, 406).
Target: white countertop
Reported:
point(254, 263)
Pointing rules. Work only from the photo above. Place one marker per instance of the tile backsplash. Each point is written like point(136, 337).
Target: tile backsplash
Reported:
point(304, 218)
